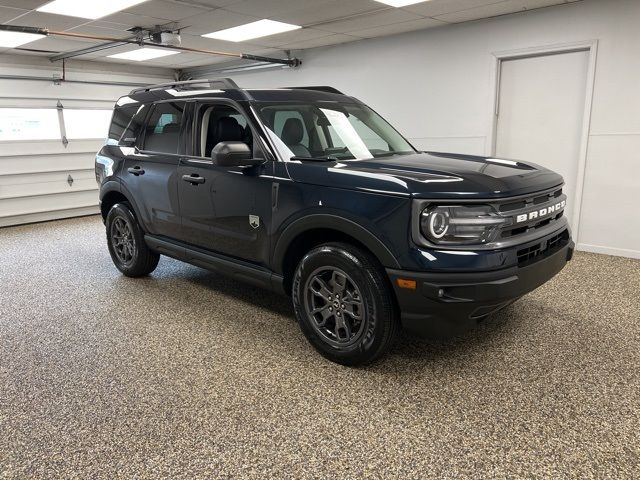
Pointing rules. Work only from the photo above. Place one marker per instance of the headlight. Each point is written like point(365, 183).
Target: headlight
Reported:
point(460, 224)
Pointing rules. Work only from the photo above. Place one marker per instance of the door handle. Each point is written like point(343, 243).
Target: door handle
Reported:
point(193, 179)
point(136, 170)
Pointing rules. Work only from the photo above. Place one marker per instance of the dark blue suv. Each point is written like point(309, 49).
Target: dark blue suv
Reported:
point(310, 193)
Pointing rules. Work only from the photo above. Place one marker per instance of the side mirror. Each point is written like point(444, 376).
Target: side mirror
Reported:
point(231, 154)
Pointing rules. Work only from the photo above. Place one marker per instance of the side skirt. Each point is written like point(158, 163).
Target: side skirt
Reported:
point(237, 269)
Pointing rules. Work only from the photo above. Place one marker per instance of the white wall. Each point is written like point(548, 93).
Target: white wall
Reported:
point(33, 174)
point(437, 86)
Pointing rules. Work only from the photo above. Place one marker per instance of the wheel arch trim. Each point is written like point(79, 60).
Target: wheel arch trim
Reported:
point(331, 222)
point(117, 187)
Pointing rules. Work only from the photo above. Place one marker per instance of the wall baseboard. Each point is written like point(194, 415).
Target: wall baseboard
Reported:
point(618, 252)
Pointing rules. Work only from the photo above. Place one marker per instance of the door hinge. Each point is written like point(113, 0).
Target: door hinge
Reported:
point(63, 128)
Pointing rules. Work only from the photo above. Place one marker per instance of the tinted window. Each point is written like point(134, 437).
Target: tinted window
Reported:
point(120, 120)
point(163, 127)
point(323, 129)
point(280, 118)
point(126, 122)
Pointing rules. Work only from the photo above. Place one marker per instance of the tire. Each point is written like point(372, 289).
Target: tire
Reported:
point(362, 323)
point(125, 238)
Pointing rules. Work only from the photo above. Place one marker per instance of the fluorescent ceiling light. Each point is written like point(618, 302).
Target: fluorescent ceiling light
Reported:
point(87, 8)
point(261, 28)
point(15, 39)
point(401, 3)
point(144, 53)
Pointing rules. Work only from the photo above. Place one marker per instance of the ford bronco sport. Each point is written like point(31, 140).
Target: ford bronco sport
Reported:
point(310, 193)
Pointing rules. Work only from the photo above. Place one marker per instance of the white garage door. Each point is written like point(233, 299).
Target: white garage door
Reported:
point(540, 113)
point(47, 151)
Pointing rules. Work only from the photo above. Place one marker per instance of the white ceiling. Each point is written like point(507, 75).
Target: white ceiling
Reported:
point(324, 22)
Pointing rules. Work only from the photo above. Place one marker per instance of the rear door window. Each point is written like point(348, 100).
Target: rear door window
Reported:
point(162, 131)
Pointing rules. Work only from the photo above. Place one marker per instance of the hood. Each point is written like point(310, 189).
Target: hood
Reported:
point(430, 175)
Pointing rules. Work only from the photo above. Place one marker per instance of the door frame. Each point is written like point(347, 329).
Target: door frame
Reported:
point(497, 58)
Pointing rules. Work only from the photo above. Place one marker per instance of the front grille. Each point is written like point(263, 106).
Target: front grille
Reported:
point(527, 205)
point(510, 232)
point(535, 252)
point(534, 200)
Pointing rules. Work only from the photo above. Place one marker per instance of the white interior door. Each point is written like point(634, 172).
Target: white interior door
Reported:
point(540, 113)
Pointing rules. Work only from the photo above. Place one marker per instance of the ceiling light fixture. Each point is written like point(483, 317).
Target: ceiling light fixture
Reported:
point(401, 3)
point(15, 39)
point(87, 9)
point(143, 54)
point(261, 28)
point(38, 32)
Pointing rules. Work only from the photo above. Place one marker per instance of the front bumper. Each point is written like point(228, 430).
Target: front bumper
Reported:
point(446, 304)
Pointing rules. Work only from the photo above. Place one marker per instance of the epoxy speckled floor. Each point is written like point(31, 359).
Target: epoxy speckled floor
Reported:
point(189, 374)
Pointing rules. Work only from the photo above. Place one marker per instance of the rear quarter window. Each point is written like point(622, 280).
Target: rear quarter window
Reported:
point(126, 122)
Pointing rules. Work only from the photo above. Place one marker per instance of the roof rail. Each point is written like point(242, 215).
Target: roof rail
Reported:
point(319, 88)
point(222, 83)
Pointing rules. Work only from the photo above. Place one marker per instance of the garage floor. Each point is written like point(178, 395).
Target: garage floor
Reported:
point(186, 373)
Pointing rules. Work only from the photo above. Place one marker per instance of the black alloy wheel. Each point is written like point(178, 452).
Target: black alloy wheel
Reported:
point(344, 304)
point(122, 241)
point(334, 303)
point(125, 239)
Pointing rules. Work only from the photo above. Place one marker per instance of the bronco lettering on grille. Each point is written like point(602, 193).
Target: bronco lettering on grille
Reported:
point(543, 212)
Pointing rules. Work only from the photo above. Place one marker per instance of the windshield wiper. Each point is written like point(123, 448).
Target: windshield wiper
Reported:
point(328, 158)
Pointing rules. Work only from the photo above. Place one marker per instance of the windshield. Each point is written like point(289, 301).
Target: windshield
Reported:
point(330, 130)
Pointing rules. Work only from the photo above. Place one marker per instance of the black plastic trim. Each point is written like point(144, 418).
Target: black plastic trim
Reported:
point(333, 222)
point(237, 269)
point(448, 303)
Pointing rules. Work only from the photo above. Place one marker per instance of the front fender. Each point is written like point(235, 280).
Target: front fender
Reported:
point(333, 222)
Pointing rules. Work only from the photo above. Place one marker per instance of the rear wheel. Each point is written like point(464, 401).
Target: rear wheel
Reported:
point(129, 252)
point(344, 304)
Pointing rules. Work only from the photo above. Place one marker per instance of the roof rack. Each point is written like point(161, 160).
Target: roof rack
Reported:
point(319, 88)
point(222, 83)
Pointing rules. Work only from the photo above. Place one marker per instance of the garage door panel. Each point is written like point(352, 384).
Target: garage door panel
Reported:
point(46, 177)
point(47, 203)
point(48, 147)
point(22, 186)
point(46, 163)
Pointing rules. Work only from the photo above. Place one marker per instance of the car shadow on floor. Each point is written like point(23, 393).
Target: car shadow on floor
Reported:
point(408, 347)
point(244, 292)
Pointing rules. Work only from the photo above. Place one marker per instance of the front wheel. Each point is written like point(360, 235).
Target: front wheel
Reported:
point(344, 304)
point(129, 252)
